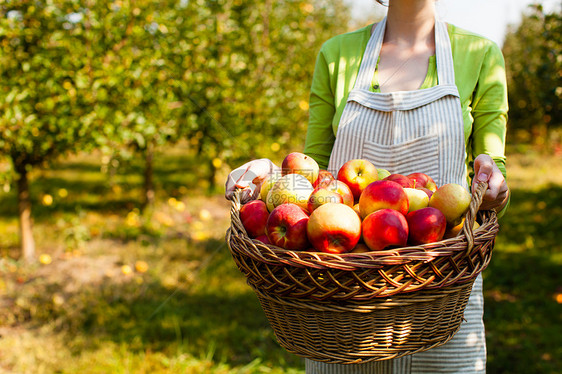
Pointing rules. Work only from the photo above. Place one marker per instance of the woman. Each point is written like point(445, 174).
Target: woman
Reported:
point(411, 94)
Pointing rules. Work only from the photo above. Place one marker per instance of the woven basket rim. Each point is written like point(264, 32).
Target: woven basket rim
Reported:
point(464, 241)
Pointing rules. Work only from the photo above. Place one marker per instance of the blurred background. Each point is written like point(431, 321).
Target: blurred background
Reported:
point(119, 121)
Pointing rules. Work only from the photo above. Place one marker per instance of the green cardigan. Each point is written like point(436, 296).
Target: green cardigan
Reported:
point(479, 76)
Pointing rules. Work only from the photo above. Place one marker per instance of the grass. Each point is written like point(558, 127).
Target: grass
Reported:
point(158, 292)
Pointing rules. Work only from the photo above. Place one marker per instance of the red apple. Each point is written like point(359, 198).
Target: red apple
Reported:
point(334, 228)
point(357, 174)
point(423, 180)
point(286, 227)
point(324, 178)
point(321, 196)
point(426, 225)
point(254, 216)
point(402, 180)
point(263, 238)
point(385, 228)
point(453, 201)
point(299, 163)
point(383, 194)
point(342, 188)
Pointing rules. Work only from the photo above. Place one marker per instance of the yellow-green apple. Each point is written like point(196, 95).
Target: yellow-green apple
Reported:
point(356, 209)
point(385, 228)
point(290, 188)
point(417, 199)
point(423, 180)
point(357, 174)
point(383, 173)
point(324, 178)
point(452, 232)
point(383, 194)
point(426, 225)
point(254, 216)
point(402, 180)
point(264, 239)
point(321, 196)
point(427, 191)
point(267, 184)
point(342, 188)
point(334, 228)
point(452, 200)
point(299, 163)
point(361, 248)
point(286, 227)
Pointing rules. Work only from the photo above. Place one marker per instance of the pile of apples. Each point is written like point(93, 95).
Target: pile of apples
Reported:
point(360, 209)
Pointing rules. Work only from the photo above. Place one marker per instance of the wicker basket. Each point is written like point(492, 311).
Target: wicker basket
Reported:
point(362, 307)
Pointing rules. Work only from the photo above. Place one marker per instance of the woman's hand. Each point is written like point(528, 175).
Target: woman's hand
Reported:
point(486, 170)
point(249, 177)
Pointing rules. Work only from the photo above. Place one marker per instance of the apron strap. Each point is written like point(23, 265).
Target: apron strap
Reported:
point(443, 55)
point(444, 59)
point(370, 57)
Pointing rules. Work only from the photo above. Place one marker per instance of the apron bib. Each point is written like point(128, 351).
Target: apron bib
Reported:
point(406, 132)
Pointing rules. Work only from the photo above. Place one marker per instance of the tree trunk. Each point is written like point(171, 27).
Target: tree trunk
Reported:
point(148, 176)
point(24, 209)
point(212, 177)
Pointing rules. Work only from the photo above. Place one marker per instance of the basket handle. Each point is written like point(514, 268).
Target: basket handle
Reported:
point(475, 202)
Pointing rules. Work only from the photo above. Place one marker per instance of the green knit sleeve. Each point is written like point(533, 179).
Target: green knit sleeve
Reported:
point(320, 135)
point(489, 110)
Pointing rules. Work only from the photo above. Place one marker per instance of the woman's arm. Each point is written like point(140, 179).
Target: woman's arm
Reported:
point(489, 110)
point(320, 135)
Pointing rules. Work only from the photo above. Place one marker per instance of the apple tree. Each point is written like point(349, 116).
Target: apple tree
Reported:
point(249, 65)
point(47, 106)
point(532, 52)
point(134, 40)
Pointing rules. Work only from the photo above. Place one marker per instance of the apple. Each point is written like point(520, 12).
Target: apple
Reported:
point(254, 216)
point(417, 199)
point(385, 228)
point(426, 225)
point(267, 184)
point(383, 194)
point(334, 228)
point(324, 178)
point(263, 238)
point(402, 180)
point(452, 232)
point(357, 210)
point(322, 195)
point(361, 248)
point(427, 191)
point(299, 163)
point(383, 173)
point(357, 174)
point(342, 188)
point(423, 180)
point(452, 200)
point(290, 188)
point(286, 227)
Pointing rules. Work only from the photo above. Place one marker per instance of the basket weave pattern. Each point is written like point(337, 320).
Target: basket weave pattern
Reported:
point(360, 307)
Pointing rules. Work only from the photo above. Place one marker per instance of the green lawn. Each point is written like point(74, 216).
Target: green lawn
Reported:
point(158, 292)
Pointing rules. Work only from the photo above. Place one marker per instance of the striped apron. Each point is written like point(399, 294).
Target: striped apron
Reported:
point(406, 132)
